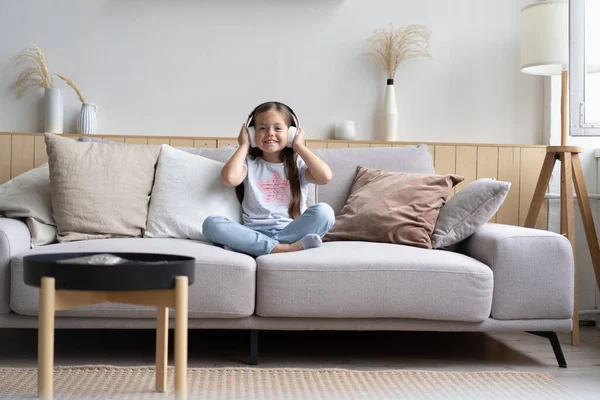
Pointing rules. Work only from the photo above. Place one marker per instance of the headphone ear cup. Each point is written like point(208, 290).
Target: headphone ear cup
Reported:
point(292, 130)
point(251, 136)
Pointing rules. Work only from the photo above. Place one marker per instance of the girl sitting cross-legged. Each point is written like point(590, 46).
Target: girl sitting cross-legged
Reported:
point(271, 170)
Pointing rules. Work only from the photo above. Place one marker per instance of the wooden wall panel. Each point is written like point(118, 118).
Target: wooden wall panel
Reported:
point(227, 142)
point(337, 145)
point(487, 162)
point(509, 170)
point(182, 142)
point(201, 143)
point(381, 145)
point(466, 164)
point(22, 155)
point(5, 157)
point(487, 165)
point(445, 162)
point(519, 165)
point(445, 159)
point(358, 145)
point(136, 140)
point(316, 144)
point(40, 155)
point(158, 141)
point(531, 165)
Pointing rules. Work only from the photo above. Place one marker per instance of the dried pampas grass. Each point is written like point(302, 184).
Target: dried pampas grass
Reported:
point(70, 82)
point(393, 46)
point(37, 75)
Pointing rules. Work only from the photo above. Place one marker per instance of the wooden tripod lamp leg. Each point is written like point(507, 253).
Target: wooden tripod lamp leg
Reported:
point(540, 190)
point(568, 228)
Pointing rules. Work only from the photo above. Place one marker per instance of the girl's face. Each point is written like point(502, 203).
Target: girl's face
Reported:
point(271, 131)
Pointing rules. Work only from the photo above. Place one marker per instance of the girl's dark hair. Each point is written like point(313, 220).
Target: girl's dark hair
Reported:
point(288, 157)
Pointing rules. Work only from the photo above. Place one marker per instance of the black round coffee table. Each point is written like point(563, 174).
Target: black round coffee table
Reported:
point(69, 280)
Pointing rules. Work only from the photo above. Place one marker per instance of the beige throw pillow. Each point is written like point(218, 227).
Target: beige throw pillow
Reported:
point(392, 207)
point(99, 190)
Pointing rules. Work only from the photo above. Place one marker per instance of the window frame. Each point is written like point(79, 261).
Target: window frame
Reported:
point(578, 124)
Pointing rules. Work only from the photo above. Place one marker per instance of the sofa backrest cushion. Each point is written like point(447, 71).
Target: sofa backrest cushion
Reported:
point(344, 164)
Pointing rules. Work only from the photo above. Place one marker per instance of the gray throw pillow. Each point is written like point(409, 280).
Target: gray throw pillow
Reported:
point(468, 210)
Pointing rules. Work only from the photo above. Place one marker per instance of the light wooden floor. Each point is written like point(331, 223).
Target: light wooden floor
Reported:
point(364, 350)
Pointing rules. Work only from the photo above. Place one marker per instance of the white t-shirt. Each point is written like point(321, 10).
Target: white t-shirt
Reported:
point(267, 193)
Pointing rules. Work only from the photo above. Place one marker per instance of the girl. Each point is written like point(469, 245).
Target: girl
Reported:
point(275, 182)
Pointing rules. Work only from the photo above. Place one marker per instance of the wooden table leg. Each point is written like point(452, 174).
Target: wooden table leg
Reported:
point(181, 327)
point(46, 338)
point(162, 347)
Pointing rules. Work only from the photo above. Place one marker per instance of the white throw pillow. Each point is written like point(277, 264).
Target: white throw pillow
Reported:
point(187, 189)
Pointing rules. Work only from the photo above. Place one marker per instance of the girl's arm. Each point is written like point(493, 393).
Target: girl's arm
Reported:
point(318, 171)
point(234, 172)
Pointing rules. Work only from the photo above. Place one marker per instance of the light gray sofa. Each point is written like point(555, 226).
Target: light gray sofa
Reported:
point(502, 278)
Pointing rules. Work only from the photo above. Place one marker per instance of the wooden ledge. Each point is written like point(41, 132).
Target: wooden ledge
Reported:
point(563, 149)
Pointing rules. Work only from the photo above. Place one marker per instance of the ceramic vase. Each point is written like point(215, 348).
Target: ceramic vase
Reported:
point(53, 111)
point(86, 120)
point(390, 112)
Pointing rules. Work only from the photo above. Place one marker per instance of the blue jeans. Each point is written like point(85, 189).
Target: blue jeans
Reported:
point(317, 219)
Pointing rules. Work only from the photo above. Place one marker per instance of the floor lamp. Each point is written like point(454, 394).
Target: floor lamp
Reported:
point(545, 51)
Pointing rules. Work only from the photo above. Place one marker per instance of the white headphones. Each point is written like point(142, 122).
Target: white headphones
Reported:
point(292, 130)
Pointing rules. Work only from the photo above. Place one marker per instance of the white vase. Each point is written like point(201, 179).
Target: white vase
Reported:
point(390, 112)
point(345, 130)
point(53, 111)
point(86, 120)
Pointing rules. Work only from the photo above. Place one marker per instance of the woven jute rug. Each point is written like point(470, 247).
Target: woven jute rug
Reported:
point(108, 382)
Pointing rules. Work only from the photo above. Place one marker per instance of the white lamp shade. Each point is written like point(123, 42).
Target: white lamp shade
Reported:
point(545, 38)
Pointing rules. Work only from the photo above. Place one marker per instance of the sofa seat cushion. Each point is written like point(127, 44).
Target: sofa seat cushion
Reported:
point(373, 280)
point(224, 285)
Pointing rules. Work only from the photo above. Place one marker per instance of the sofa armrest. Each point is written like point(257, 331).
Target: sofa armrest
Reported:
point(14, 239)
point(533, 271)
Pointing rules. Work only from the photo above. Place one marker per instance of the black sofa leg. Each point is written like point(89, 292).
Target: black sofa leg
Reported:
point(558, 353)
point(253, 347)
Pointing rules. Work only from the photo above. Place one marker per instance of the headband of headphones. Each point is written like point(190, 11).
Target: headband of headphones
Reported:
point(295, 121)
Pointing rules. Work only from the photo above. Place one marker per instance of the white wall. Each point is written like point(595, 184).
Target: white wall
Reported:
point(184, 67)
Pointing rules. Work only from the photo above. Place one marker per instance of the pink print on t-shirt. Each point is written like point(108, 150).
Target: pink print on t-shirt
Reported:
point(275, 189)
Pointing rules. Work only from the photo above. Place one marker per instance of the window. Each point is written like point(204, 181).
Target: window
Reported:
point(584, 50)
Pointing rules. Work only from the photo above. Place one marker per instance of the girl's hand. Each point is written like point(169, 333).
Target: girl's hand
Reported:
point(299, 139)
point(243, 139)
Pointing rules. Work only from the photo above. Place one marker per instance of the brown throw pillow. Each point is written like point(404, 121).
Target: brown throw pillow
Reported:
point(392, 207)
